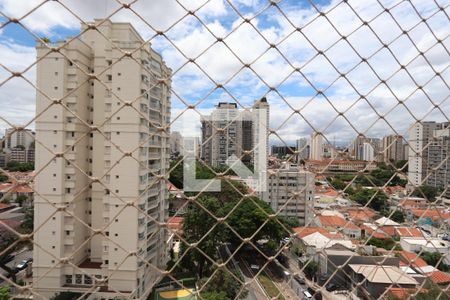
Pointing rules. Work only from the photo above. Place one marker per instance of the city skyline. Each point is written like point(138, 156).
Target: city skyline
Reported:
point(192, 85)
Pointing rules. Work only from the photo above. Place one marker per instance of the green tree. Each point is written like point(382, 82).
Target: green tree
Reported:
point(426, 191)
point(378, 202)
point(215, 296)
point(397, 216)
point(338, 184)
point(289, 222)
point(311, 269)
point(433, 292)
point(223, 282)
point(28, 220)
point(387, 243)
point(3, 177)
point(5, 293)
point(21, 199)
point(249, 217)
point(15, 166)
point(196, 225)
point(435, 259)
point(402, 165)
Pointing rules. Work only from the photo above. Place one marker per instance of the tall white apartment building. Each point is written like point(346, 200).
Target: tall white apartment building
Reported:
point(15, 137)
point(100, 199)
point(368, 152)
point(291, 191)
point(228, 131)
point(221, 134)
point(420, 135)
point(303, 149)
point(392, 148)
point(176, 141)
point(316, 151)
point(438, 162)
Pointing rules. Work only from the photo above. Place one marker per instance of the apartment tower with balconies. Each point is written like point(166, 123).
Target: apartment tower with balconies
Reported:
point(103, 126)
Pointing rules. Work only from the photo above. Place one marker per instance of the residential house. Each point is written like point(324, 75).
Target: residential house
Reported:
point(373, 280)
point(338, 224)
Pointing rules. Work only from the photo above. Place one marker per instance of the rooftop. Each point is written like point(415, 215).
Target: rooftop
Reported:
point(412, 259)
point(439, 277)
point(383, 274)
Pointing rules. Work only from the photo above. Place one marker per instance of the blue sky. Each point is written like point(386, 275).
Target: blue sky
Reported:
point(273, 66)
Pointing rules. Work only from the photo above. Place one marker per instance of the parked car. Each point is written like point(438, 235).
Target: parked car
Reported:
point(23, 264)
point(299, 279)
point(331, 287)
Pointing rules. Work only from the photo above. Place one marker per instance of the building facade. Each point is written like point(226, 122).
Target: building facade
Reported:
point(368, 153)
point(392, 148)
point(228, 131)
point(420, 135)
point(291, 191)
point(438, 162)
point(104, 176)
point(18, 137)
point(316, 150)
point(303, 149)
point(176, 141)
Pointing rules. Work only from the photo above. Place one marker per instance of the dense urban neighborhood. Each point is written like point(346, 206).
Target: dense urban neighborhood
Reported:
point(224, 150)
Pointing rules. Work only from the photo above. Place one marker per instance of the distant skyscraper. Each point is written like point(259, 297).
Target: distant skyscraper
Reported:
point(316, 150)
point(15, 138)
point(420, 134)
point(221, 134)
point(98, 203)
point(392, 148)
point(303, 149)
point(229, 131)
point(175, 143)
point(438, 161)
point(368, 152)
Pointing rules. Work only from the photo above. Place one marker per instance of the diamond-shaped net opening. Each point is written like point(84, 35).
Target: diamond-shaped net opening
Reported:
point(224, 149)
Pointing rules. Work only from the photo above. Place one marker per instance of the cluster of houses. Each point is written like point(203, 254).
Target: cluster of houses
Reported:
point(337, 240)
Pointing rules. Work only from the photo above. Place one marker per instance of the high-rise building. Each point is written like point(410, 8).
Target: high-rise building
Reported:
point(303, 149)
point(392, 148)
point(438, 162)
point(176, 141)
point(221, 134)
point(361, 149)
point(18, 138)
point(228, 131)
point(316, 152)
point(420, 135)
point(19, 145)
point(291, 191)
point(368, 153)
point(99, 198)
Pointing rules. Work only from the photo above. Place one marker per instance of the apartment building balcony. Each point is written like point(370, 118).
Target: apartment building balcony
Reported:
point(88, 264)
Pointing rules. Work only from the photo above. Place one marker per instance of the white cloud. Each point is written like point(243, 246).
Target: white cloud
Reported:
point(219, 61)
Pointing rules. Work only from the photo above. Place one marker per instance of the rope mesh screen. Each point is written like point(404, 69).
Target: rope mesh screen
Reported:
point(362, 81)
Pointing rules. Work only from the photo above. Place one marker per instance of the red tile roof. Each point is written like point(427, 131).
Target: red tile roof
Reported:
point(430, 213)
point(412, 259)
point(374, 233)
point(408, 232)
point(332, 221)
point(401, 293)
point(9, 187)
point(175, 223)
point(439, 277)
point(361, 214)
point(305, 231)
point(412, 202)
point(389, 230)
